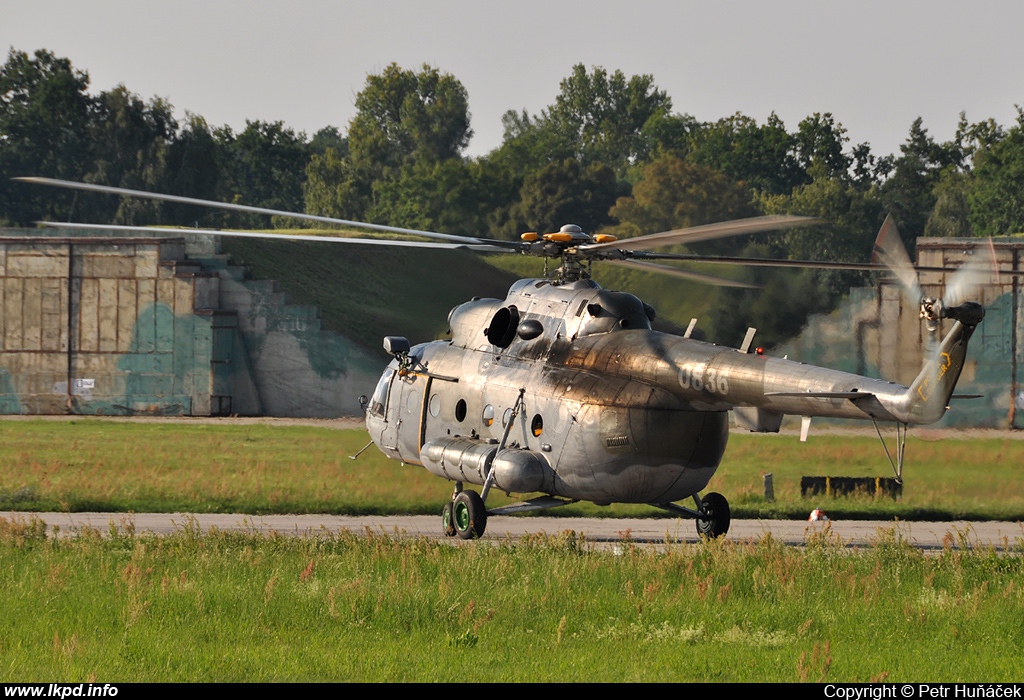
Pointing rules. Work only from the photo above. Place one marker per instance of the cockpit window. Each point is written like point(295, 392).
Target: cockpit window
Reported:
point(378, 403)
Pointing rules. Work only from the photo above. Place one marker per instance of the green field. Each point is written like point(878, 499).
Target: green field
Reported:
point(120, 466)
point(117, 606)
point(240, 607)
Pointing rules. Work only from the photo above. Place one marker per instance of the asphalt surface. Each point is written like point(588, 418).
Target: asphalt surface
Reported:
point(613, 531)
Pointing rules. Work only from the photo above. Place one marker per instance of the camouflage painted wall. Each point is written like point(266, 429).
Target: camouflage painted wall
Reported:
point(126, 325)
point(98, 328)
point(877, 332)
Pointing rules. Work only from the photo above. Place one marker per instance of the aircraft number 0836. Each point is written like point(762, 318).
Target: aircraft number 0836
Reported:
point(710, 380)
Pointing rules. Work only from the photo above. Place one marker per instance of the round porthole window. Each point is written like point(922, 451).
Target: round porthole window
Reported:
point(537, 425)
point(435, 405)
point(488, 415)
point(460, 410)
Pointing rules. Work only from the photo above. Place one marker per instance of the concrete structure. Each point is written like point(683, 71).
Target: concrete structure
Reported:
point(133, 325)
point(877, 332)
point(130, 325)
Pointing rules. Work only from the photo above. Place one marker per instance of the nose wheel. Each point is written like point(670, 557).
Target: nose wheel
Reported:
point(465, 516)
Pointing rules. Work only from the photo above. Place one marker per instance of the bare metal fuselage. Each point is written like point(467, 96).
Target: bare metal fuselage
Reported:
point(611, 411)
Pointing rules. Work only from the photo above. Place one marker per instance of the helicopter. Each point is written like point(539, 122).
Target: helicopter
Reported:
point(564, 392)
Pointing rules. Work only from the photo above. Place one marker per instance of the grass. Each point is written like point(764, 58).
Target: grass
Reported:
point(118, 466)
point(215, 606)
point(367, 292)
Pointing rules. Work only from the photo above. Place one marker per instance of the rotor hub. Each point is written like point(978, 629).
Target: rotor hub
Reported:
point(931, 312)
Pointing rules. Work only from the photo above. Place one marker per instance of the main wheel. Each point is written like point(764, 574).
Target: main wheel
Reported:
point(714, 516)
point(448, 519)
point(470, 516)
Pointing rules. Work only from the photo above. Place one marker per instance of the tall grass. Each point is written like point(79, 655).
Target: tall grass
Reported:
point(244, 607)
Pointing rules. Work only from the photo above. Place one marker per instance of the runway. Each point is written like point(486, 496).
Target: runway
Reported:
point(1001, 536)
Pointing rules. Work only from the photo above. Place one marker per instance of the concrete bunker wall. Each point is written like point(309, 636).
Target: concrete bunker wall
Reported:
point(877, 332)
point(133, 326)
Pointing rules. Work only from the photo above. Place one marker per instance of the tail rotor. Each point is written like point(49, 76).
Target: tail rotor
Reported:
point(962, 288)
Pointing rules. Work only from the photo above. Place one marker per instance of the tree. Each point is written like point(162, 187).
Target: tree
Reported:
point(449, 195)
point(405, 119)
point(404, 115)
point(672, 193)
point(603, 116)
point(130, 142)
point(264, 166)
point(997, 196)
point(44, 112)
point(328, 137)
point(193, 170)
point(566, 192)
point(951, 214)
point(820, 141)
point(763, 156)
point(909, 192)
point(331, 188)
point(597, 117)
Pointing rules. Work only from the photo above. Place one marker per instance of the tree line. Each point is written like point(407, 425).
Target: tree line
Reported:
point(610, 154)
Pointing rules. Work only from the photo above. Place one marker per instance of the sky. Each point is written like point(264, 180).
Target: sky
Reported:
point(876, 66)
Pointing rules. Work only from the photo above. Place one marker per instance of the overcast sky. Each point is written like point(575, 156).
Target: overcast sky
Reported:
point(875, 65)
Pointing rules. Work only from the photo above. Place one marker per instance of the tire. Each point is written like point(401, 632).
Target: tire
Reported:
point(469, 515)
point(715, 516)
point(448, 519)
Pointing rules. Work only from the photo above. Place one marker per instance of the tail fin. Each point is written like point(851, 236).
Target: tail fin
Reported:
point(928, 396)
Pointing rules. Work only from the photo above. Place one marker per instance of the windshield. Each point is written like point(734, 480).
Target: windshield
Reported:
point(380, 395)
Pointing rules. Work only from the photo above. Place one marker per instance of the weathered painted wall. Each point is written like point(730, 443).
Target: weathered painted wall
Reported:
point(126, 326)
point(93, 327)
point(298, 368)
point(878, 332)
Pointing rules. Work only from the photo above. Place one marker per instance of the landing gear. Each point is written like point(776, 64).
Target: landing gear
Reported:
point(469, 515)
point(712, 514)
point(448, 519)
point(713, 519)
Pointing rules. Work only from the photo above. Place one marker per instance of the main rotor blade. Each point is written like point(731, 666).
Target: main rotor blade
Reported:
point(684, 274)
point(276, 236)
point(106, 189)
point(774, 262)
point(708, 232)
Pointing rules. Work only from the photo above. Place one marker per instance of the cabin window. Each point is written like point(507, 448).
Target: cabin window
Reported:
point(506, 417)
point(537, 425)
point(460, 410)
point(435, 405)
point(488, 415)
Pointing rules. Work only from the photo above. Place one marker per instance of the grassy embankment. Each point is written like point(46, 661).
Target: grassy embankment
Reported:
point(97, 464)
point(367, 292)
point(242, 607)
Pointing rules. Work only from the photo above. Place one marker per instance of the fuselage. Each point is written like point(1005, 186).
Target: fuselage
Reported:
point(602, 408)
